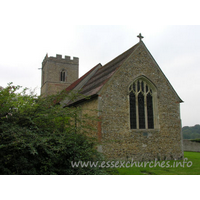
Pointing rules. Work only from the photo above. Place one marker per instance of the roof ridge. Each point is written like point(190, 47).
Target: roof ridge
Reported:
point(100, 77)
point(121, 55)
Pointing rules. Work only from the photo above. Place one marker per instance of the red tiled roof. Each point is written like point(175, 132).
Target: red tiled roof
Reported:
point(102, 75)
point(75, 83)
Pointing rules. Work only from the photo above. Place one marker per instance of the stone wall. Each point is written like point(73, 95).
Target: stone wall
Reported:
point(51, 69)
point(189, 145)
point(121, 142)
point(89, 116)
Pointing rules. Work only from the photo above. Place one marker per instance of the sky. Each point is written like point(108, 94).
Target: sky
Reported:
point(31, 29)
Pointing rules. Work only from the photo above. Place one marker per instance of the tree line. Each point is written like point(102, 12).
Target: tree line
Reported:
point(191, 132)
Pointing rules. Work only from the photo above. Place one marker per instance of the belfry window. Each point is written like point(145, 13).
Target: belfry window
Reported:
point(141, 105)
point(62, 76)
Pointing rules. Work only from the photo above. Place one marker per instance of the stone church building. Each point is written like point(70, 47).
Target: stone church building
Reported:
point(138, 108)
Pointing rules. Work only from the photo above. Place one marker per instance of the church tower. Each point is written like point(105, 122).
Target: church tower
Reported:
point(58, 73)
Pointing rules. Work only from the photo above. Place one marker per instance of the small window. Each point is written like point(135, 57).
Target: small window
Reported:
point(62, 76)
point(141, 105)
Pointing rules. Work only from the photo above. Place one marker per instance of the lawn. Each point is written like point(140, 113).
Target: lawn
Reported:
point(190, 167)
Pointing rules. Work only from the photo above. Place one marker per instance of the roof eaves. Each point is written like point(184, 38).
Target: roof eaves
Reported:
point(74, 103)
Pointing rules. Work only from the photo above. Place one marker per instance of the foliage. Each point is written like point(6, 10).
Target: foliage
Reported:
point(38, 136)
point(192, 132)
point(195, 140)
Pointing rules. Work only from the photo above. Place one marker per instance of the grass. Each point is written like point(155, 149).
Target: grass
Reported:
point(165, 168)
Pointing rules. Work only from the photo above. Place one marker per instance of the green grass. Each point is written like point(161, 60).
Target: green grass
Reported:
point(193, 157)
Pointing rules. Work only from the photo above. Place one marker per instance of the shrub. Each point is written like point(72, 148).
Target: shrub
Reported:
point(38, 136)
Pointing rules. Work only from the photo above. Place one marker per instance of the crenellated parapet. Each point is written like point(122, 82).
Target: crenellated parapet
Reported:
point(59, 59)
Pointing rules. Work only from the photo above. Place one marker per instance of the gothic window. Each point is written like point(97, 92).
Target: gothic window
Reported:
point(141, 105)
point(62, 76)
point(132, 110)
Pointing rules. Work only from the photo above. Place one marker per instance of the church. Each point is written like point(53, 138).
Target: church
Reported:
point(137, 107)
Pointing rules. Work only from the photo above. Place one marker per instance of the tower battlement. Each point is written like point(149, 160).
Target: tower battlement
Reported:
point(59, 59)
point(58, 73)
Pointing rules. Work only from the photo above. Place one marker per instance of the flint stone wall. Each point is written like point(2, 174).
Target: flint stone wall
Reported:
point(121, 142)
point(189, 145)
point(117, 140)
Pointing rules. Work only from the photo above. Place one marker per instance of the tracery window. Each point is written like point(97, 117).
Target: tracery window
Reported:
point(141, 100)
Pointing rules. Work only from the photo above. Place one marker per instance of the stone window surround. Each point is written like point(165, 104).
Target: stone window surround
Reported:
point(155, 105)
point(61, 75)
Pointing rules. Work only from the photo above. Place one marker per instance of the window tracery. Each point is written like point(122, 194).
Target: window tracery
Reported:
point(141, 105)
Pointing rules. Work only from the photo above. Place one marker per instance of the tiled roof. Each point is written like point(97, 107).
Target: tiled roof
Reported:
point(75, 83)
point(101, 76)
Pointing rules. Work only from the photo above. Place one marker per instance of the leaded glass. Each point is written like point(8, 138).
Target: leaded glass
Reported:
point(150, 111)
point(62, 76)
point(132, 111)
point(142, 86)
point(141, 111)
point(134, 87)
point(138, 86)
point(147, 88)
point(141, 105)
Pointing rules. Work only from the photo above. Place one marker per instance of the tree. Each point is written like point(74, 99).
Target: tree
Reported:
point(192, 132)
point(39, 136)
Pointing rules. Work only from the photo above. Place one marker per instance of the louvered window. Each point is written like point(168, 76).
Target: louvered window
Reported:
point(62, 76)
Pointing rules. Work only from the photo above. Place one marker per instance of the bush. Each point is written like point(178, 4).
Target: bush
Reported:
point(38, 136)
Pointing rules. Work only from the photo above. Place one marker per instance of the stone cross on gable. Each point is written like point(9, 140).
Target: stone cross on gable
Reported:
point(140, 36)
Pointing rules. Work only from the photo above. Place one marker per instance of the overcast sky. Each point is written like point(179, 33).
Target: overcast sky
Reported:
point(30, 30)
